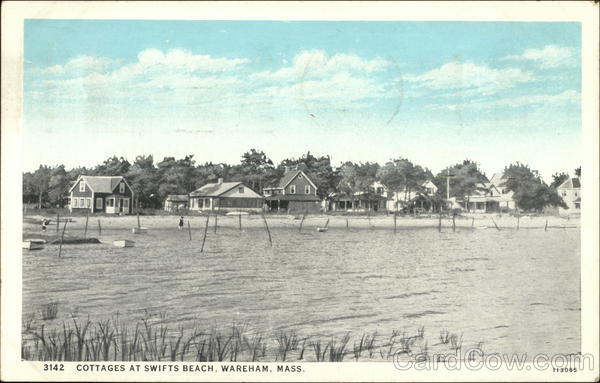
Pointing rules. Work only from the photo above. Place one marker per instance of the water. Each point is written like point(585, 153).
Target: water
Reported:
point(516, 291)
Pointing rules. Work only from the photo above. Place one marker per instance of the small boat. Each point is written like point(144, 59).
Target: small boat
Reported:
point(32, 245)
point(139, 230)
point(322, 229)
point(123, 243)
point(237, 213)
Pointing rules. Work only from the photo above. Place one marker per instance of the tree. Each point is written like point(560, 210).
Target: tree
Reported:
point(529, 191)
point(256, 167)
point(402, 177)
point(465, 179)
point(58, 185)
point(319, 170)
point(558, 179)
point(40, 183)
point(176, 176)
point(113, 166)
point(578, 172)
point(142, 177)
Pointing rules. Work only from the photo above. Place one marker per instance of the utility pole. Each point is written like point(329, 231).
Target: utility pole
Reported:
point(448, 185)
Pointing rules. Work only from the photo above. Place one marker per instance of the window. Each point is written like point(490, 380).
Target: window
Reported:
point(564, 193)
point(307, 189)
point(241, 190)
point(88, 202)
point(577, 205)
point(98, 203)
point(379, 190)
point(75, 202)
point(82, 186)
point(300, 176)
point(293, 189)
point(122, 187)
point(126, 203)
point(575, 194)
point(81, 202)
point(110, 202)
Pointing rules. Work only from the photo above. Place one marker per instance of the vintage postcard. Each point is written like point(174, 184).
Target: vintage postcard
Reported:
point(263, 191)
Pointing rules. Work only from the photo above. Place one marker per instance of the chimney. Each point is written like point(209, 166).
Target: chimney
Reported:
point(220, 181)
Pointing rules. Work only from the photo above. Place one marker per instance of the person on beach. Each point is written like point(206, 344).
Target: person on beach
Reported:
point(181, 223)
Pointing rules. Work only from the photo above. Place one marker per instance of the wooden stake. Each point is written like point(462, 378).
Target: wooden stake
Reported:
point(495, 224)
point(205, 231)
point(546, 227)
point(394, 222)
point(87, 218)
point(61, 238)
point(472, 223)
point(346, 224)
point(216, 222)
point(302, 221)
point(189, 230)
point(518, 219)
point(327, 223)
point(240, 220)
point(440, 223)
point(138, 219)
point(453, 223)
point(99, 229)
point(268, 231)
point(57, 221)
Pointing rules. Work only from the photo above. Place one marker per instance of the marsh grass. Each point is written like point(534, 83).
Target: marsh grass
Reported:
point(49, 311)
point(151, 339)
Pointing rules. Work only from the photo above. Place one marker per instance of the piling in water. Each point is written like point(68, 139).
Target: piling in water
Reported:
point(497, 228)
point(327, 223)
point(240, 220)
point(302, 221)
point(440, 223)
point(394, 222)
point(87, 218)
point(205, 231)
point(57, 221)
point(472, 223)
point(216, 222)
point(453, 223)
point(62, 238)
point(347, 224)
point(267, 227)
point(138, 219)
point(518, 219)
point(99, 229)
point(189, 230)
point(546, 227)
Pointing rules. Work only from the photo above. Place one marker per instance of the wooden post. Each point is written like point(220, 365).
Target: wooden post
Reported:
point(518, 219)
point(394, 222)
point(61, 238)
point(138, 219)
point(302, 221)
point(189, 230)
point(57, 221)
point(546, 227)
point(240, 220)
point(216, 222)
point(205, 231)
point(87, 217)
point(346, 224)
point(99, 229)
point(327, 223)
point(453, 223)
point(440, 223)
point(268, 231)
point(495, 224)
point(472, 223)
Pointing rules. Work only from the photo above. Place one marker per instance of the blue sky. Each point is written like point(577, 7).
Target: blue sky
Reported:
point(435, 92)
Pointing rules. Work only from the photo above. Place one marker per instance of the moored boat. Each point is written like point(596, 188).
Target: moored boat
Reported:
point(123, 243)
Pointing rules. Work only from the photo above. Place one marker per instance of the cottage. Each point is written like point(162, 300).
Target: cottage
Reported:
point(294, 193)
point(570, 191)
point(176, 202)
point(226, 196)
point(96, 194)
point(505, 200)
point(420, 199)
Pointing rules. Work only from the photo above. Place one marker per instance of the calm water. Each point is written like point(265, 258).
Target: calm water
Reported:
point(517, 291)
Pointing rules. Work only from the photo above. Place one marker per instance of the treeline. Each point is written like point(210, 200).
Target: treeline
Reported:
point(152, 182)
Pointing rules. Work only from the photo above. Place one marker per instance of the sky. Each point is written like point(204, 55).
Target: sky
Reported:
point(434, 92)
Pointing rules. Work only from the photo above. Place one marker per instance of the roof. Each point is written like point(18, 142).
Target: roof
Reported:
point(288, 177)
point(214, 190)
point(101, 184)
point(570, 183)
point(178, 197)
point(293, 197)
point(578, 199)
point(497, 179)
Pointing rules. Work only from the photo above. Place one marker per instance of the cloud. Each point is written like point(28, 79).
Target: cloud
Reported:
point(550, 56)
point(467, 75)
point(568, 97)
point(81, 65)
point(317, 64)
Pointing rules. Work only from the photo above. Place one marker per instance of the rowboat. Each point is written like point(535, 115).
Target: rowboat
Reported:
point(123, 243)
point(322, 229)
point(139, 230)
point(237, 213)
point(32, 245)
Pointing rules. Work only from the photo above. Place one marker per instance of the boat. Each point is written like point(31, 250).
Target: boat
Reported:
point(123, 243)
point(322, 229)
point(237, 213)
point(33, 245)
point(139, 230)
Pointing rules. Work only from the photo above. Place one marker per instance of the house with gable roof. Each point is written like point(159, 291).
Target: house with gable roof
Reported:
point(101, 194)
point(235, 196)
point(295, 193)
point(570, 191)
